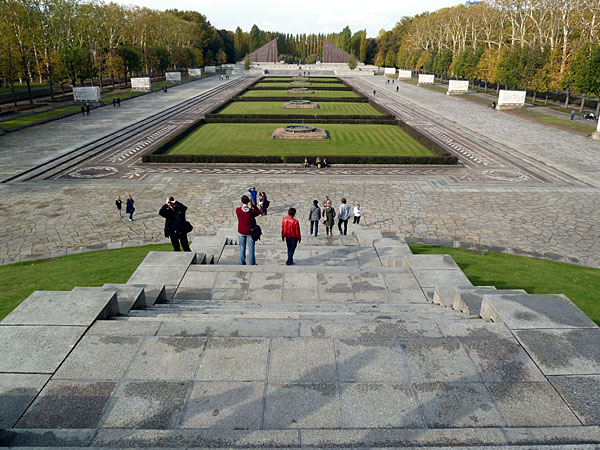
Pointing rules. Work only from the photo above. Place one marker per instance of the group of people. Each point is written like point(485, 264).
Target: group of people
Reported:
point(116, 102)
point(129, 208)
point(260, 200)
point(290, 227)
point(319, 164)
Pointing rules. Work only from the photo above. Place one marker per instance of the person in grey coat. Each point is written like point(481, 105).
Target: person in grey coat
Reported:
point(329, 214)
point(314, 215)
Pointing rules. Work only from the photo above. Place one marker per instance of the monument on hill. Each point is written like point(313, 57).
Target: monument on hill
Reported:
point(268, 53)
point(333, 54)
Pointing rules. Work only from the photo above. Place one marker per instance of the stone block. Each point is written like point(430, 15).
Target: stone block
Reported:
point(469, 299)
point(450, 405)
point(153, 405)
point(68, 404)
point(17, 391)
point(370, 330)
point(370, 361)
point(231, 405)
point(532, 405)
point(231, 328)
point(475, 329)
point(444, 296)
point(431, 360)
point(315, 405)
point(502, 361)
point(192, 293)
point(99, 358)
point(36, 349)
point(563, 351)
point(582, 394)
point(153, 293)
point(169, 276)
point(525, 311)
point(197, 278)
point(129, 297)
point(441, 278)
point(430, 262)
point(169, 259)
point(167, 358)
point(373, 405)
point(302, 360)
point(64, 308)
point(366, 237)
point(234, 359)
point(124, 328)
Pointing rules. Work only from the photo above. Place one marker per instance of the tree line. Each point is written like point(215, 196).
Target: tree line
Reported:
point(539, 45)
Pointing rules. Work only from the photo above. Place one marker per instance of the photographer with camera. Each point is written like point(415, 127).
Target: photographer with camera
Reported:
point(176, 227)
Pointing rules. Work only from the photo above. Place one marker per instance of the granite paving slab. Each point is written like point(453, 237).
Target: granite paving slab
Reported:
point(231, 405)
point(99, 358)
point(430, 360)
point(196, 278)
point(234, 359)
point(370, 361)
point(232, 280)
point(437, 262)
point(441, 278)
point(167, 358)
point(124, 328)
point(476, 329)
point(154, 405)
point(302, 360)
point(469, 300)
point(231, 328)
point(335, 287)
point(582, 394)
point(532, 405)
point(450, 405)
point(300, 287)
point(372, 405)
point(169, 259)
point(154, 293)
point(502, 360)
point(36, 349)
point(311, 405)
point(17, 391)
point(369, 286)
point(524, 311)
point(169, 276)
point(68, 404)
point(44, 438)
point(64, 308)
point(563, 351)
point(342, 330)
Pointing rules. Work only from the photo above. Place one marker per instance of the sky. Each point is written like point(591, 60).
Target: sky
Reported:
point(301, 16)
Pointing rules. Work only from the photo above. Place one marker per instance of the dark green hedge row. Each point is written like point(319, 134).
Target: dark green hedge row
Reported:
point(304, 119)
point(339, 159)
point(311, 88)
point(300, 116)
point(302, 97)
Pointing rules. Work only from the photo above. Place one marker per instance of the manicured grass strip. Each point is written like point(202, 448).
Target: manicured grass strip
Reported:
point(290, 79)
point(292, 85)
point(123, 95)
point(19, 280)
point(536, 276)
point(572, 125)
point(255, 139)
point(38, 117)
point(325, 108)
point(284, 93)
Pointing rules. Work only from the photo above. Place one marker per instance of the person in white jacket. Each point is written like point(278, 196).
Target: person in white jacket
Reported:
point(357, 213)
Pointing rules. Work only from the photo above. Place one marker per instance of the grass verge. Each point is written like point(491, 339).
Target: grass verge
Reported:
point(536, 276)
point(19, 280)
point(351, 140)
point(325, 108)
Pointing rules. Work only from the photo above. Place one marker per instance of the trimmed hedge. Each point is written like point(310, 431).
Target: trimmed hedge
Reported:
point(302, 97)
point(218, 118)
point(340, 159)
point(300, 116)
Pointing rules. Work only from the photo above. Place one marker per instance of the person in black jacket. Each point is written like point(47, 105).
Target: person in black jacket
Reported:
point(175, 223)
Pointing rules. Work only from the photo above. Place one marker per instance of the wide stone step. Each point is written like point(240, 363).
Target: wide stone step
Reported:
point(153, 293)
point(128, 297)
point(568, 438)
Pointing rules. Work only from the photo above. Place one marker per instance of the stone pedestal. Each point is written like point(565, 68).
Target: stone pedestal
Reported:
point(290, 105)
point(292, 91)
point(504, 107)
point(596, 135)
point(318, 135)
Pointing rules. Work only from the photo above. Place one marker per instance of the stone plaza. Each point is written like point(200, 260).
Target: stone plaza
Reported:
point(361, 344)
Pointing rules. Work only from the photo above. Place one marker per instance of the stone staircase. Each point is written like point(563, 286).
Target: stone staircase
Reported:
point(359, 344)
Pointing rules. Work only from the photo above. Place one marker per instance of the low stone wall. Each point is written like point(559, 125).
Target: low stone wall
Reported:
point(310, 105)
point(308, 91)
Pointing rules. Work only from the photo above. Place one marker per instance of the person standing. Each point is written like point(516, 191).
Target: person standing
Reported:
point(246, 215)
point(129, 208)
point(290, 233)
point(265, 204)
point(329, 214)
point(314, 215)
point(82, 110)
point(175, 224)
point(357, 214)
point(114, 102)
point(88, 109)
point(119, 205)
point(118, 102)
point(572, 114)
point(253, 195)
point(343, 216)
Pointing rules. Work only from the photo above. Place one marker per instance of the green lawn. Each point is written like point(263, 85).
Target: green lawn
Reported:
point(37, 117)
point(19, 280)
point(253, 139)
point(311, 79)
point(573, 125)
point(291, 85)
point(536, 276)
point(284, 93)
point(325, 108)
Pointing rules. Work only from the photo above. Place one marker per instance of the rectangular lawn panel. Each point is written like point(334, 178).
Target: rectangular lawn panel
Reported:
point(291, 85)
point(325, 108)
point(284, 93)
point(255, 139)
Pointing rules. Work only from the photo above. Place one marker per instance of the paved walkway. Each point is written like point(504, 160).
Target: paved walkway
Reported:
point(559, 218)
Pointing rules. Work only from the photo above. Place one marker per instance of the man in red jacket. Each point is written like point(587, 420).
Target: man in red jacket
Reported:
point(290, 232)
point(246, 214)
